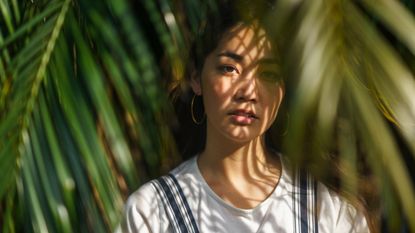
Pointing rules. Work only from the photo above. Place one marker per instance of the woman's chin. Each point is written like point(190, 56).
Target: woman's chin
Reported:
point(237, 133)
point(241, 135)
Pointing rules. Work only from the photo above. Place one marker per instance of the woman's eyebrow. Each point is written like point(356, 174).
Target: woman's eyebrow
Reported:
point(271, 61)
point(240, 58)
point(231, 55)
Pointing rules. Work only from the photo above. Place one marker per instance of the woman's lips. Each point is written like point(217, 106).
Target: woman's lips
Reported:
point(242, 117)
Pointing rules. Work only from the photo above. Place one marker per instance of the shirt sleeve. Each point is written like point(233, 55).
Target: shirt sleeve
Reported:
point(143, 212)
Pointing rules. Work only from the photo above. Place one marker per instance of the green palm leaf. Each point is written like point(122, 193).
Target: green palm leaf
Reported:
point(27, 74)
point(346, 69)
point(84, 117)
point(75, 157)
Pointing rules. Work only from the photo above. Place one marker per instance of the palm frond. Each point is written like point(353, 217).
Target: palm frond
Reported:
point(20, 100)
point(84, 117)
point(399, 90)
point(75, 160)
point(343, 69)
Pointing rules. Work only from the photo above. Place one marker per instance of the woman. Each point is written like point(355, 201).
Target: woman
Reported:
point(235, 181)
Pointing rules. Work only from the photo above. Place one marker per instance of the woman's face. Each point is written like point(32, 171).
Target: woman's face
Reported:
point(241, 85)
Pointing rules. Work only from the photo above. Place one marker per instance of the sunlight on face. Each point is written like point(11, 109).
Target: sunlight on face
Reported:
point(241, 85)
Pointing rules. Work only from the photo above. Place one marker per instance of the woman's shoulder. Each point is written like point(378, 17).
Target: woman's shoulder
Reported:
point(336, 210)
point(144, 195)
point(300, 180)
point(143, 212)
point(147, 195)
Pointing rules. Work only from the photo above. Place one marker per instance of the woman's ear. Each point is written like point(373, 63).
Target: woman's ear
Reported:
point(195, 83)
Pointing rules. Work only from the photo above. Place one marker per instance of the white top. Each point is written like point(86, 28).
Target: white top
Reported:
point(144, 211)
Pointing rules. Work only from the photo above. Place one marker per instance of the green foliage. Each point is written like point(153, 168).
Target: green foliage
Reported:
point(81, 121)
point(84, 116)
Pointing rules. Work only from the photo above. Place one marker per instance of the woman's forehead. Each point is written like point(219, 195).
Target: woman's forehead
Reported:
point(250, 42)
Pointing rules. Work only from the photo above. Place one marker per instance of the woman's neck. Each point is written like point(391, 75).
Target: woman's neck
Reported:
point(242, 174)
point(238, 161)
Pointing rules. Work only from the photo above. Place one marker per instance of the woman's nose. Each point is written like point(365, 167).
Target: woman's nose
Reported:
point(247, 87)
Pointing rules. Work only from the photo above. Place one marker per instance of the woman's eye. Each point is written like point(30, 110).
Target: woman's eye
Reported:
point(269, 76)
point(228, 70)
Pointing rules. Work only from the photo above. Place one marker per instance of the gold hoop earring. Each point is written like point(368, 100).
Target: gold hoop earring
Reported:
point(193, 115)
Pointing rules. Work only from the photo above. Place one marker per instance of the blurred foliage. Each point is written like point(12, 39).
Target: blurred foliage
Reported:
point(85, 117)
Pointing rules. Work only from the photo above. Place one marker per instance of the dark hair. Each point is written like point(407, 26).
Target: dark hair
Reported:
point(220, 18)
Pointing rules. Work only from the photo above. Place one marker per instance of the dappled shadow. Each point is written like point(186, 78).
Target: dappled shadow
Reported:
point(241, 103)
point(234, 183)
point(240, 75)
point(253, 85)
point(213, 214)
